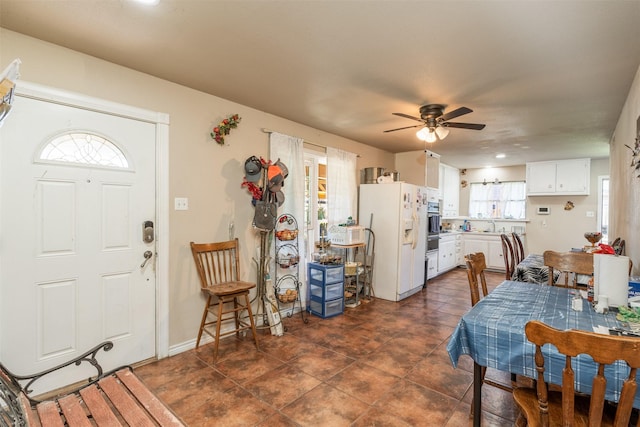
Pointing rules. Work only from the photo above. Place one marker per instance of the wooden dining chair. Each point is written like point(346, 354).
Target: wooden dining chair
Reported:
point(508, 255)
point(569, 264)
point(518, 249)
point(542, 407)
point(476, 264)
point(218, 266)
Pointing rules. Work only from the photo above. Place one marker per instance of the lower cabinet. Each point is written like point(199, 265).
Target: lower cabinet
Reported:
point(490, 245)
point(432, 266)
point(447, 253)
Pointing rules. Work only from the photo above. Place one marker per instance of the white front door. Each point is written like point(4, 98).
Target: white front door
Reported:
point(76, 187)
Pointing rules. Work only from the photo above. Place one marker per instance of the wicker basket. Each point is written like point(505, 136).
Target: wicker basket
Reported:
point(286, 235)
point(350, 268)
point(290, 295)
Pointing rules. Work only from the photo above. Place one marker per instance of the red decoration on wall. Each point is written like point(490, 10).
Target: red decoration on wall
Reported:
point(224, 128)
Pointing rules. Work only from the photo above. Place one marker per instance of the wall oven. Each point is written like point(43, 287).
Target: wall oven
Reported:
point(433, 218)
point(433, 242)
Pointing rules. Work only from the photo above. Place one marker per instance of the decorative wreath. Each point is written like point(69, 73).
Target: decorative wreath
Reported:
point(224, 128)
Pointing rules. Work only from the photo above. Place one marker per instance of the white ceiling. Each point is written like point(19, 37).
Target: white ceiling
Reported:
point(548, 78)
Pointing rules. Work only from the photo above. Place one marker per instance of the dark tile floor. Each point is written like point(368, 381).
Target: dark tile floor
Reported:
point(380, 364)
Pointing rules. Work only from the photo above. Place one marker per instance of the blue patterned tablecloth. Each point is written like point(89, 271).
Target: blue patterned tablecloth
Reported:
point(492, 333)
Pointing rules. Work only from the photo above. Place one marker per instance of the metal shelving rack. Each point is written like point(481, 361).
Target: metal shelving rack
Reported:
point(287, 268)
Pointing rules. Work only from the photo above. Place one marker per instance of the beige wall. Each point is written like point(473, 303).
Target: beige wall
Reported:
point(625, 184)
point(207, 174)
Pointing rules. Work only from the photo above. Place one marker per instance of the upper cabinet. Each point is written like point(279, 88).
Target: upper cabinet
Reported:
point(450, 190)
point(418, 167)
point(559, 178)
point(432, 170)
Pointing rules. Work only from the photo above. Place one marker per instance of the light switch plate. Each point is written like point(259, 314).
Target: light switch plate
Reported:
point(181, 204)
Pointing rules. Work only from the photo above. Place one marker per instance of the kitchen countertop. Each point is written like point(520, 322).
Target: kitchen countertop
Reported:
point(477, 232)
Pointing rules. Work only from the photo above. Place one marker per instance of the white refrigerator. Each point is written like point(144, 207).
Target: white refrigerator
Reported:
point(397, 214)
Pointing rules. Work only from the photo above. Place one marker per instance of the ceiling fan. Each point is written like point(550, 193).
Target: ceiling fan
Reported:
point(435, 122)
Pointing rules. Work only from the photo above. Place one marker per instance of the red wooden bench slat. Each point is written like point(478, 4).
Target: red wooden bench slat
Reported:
point(31, 416)
point(49, 415)
point(73, 411)
point(98, 407)
point(156, 408)
point(124, 403)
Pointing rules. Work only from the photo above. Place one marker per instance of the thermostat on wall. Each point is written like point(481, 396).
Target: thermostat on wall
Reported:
point(543, 210)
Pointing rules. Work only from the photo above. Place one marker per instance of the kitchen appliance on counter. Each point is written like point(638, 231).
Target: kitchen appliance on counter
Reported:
point(398, 214)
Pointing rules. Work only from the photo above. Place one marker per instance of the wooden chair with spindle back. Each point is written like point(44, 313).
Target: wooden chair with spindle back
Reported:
point(542, 407)
point(569, 264)
point(518, 249)
point(218, 266)
point(508, 255)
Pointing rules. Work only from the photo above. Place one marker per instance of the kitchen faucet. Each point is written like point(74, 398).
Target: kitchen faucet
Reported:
point(493, 226)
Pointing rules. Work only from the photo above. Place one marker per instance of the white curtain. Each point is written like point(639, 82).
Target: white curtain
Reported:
point(503, 200)
point(341, 186)
point(290, 151)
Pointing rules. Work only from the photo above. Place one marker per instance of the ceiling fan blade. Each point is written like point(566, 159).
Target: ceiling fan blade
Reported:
point(455, 113)
point(406, 127)
point(473, 126)
point(406, 116)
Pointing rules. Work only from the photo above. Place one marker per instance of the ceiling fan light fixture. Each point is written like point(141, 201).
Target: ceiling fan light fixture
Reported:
point(426, 134)
point(442, 132)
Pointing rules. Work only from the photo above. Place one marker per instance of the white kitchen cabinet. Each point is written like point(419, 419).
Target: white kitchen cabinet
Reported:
point(432, 169)
point(459, 250)
point(450, 186)
point(432, 267)
point(559, 178)
point(495, 259)
point(446, 253)
point(489, 244)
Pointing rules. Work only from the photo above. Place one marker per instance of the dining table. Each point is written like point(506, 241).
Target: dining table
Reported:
point(492, 334)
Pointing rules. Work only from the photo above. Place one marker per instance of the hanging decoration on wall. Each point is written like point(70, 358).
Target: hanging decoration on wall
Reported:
point(635, 151)
point(8, 79)
point(224, 128)
point(264, 180)
point(569, 205)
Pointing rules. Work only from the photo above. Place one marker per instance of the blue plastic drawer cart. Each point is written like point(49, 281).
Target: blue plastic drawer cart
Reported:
point(326, 289)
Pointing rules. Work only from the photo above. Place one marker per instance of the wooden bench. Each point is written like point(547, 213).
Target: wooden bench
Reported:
point(114, 398)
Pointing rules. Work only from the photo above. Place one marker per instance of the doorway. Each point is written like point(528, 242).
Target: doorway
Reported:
point(315, 203)
point(79, 185)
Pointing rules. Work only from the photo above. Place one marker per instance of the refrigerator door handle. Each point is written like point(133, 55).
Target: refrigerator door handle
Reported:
point(415, 231)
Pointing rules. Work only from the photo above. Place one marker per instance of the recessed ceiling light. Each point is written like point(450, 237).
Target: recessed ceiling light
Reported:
point(500, 156)
point(148, 2)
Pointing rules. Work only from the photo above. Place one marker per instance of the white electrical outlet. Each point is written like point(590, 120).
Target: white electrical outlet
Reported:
point(590, 214)
point(181, 204)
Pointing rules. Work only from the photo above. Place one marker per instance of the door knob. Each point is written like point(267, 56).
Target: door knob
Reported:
point(147, 256)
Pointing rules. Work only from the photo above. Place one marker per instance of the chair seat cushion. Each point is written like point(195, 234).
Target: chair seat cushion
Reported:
point(229, 288)
point(527, 401)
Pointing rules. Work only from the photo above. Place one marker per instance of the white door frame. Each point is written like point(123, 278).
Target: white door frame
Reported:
point(161, 121)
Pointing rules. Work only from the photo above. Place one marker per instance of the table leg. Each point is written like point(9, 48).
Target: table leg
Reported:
point(477, 394)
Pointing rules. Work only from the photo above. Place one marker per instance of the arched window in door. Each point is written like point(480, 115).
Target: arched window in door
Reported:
point(84, 149)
